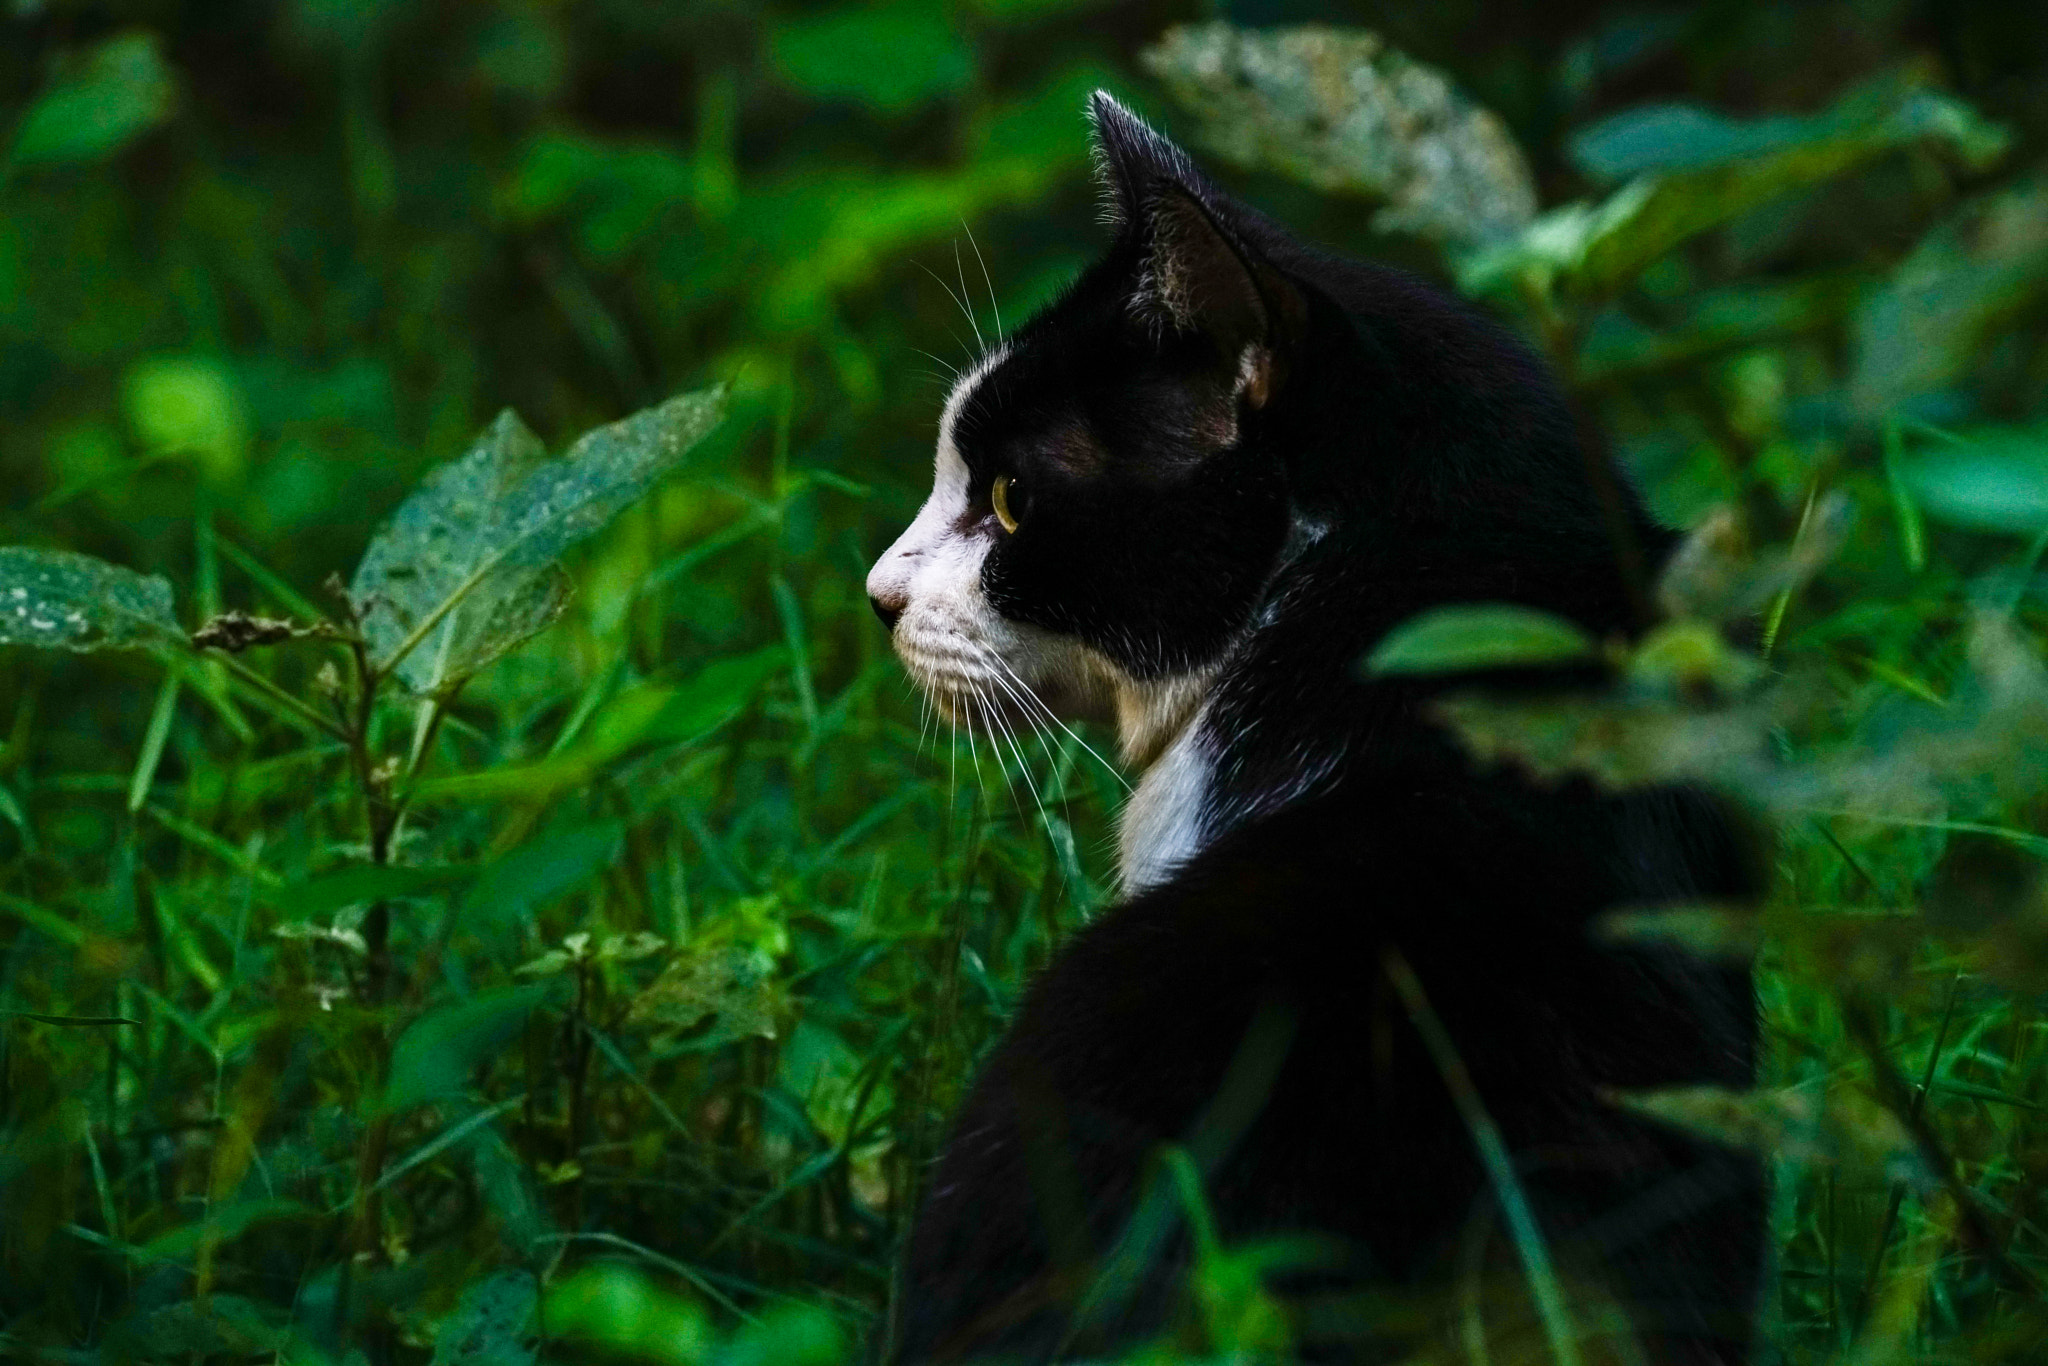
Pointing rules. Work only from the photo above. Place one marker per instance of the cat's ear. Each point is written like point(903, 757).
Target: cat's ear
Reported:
point(1195, 275)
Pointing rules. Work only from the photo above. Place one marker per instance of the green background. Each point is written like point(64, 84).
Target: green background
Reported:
point(263, 265)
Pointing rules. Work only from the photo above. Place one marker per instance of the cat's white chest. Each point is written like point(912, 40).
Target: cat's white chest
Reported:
point(1163, 823)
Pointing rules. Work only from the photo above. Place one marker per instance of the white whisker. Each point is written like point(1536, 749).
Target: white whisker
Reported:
point(961, 272)
point(956, 299)
point(1023, 763)
point(1054, 717)
point(993, 306)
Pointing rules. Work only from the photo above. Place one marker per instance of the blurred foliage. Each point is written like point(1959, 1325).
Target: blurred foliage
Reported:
point(598, 992)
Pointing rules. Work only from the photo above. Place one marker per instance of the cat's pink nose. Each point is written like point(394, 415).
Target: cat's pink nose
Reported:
point(888, 609)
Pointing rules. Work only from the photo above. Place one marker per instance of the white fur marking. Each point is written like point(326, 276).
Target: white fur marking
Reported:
point(1162, 824)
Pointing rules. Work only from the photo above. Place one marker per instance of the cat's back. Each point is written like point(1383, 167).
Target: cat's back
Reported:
point(1244, 1011)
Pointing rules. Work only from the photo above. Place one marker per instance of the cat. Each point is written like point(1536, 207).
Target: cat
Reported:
point(1186, 499)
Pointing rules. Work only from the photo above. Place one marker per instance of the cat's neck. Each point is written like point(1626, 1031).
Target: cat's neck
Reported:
point(1275, 720)
point(1163, 823)
point(1190, 789)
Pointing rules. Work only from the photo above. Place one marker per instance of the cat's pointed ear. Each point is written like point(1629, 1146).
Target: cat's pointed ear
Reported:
point(1195, 274)
point(1131, 160)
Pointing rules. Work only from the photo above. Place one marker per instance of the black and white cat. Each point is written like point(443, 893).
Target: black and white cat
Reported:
point(1186, 499)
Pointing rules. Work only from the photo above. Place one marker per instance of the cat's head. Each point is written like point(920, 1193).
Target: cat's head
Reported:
point(1102, 519)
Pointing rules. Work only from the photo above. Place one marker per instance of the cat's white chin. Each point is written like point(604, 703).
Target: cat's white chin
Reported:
point(1002, 677)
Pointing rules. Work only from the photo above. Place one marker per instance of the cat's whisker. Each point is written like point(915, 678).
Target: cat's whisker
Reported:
point(993, 306)
point(1016, 746)
point(1024, 708)
point(973, 750)
point(961, 273)
point(1054, 717)
point(956, 299)
point(951, 368)
point(986, 709)
point(1023, 762)
point(1030, 706)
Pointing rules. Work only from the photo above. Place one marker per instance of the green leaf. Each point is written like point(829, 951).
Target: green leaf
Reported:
point(1995, 479)
point(620, 1308)
point(60, 600)
point(788, 1335)
point(221, 1326)
point(1695, 171)
point(120, 90)
point(188, 406)
point(436, 1055)
point(1710, 324)
point(1343, 112)
point(1708, 931)
point(11, 812)
point(354, 886)
point(465, 570)
point(492, 1326)
point(892, 56)
point(1664, 138)
point(224, 1224)
point(1478, 636)
point(67, 1019)
point(735, 987)
point(648, 712)
point(1924, 327)
point(544, 869)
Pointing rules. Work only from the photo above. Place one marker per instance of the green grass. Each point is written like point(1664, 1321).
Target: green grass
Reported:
point(644, 984)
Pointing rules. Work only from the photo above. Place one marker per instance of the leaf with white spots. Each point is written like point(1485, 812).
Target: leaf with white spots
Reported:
point(492, 1326)
point(65, 601)
point(466, 568)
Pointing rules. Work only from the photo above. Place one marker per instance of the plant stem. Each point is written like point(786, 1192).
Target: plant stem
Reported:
point(1544, 1285)
point(379, 818)
point(1897, 1095)
point(439, 614)
point(270, 692)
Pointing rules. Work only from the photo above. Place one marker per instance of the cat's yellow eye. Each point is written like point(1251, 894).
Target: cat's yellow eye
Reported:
point(999, 494)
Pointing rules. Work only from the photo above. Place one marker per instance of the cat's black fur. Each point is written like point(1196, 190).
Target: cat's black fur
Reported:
point(1236, 452)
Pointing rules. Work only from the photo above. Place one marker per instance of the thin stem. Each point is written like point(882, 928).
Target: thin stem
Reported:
point(1493, 1154)
point(437, 616)
point(270, 692)
point(366, 1207)
point(1897, 1095)
point(1891, 1212)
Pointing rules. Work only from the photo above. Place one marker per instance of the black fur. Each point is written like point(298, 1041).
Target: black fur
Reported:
point(1234, 452)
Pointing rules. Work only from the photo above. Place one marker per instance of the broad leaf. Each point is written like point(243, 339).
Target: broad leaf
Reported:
point(492, 1326)
point(618, 1307)
point(1342, 111)
point(465, 570)
point(734, 987)
point(1729, 932)
point(119, 91)
point(61, 600)
point(220, 1326)
point(330, 892)
point(1922, 330)
point(435, 1056)
point(542, 870)
point(1478, 636)
point(1845, 1127)
point(1694, 171)
point(1994, 480)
